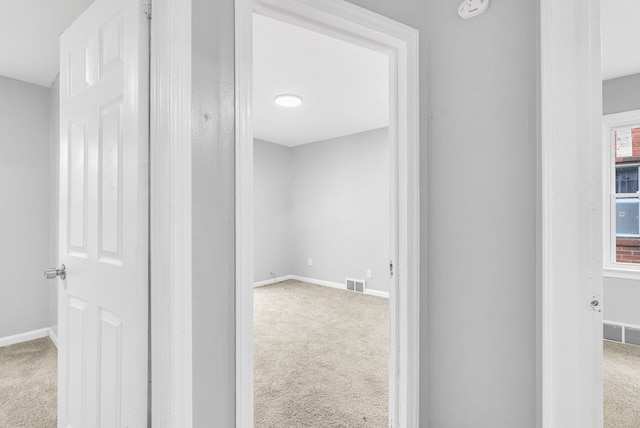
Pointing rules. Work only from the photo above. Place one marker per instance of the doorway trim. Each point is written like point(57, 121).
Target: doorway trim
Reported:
point(355, 24)
point(570, 217)
point(170, 215)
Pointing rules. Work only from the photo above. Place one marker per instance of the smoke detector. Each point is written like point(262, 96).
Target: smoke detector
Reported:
point(470, 8)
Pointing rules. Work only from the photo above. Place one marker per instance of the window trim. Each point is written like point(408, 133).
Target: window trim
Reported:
point(611, 267)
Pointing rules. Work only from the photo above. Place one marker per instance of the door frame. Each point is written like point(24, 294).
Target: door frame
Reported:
point(355, 24)
point(170, 205)
point(570, 216)
point(170, 215)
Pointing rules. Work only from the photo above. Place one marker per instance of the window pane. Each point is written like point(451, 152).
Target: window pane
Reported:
point(627, 217)
point(627, 179)
point(628, 230)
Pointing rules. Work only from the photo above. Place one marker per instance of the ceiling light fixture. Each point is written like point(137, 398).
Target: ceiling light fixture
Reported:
point(288, 100)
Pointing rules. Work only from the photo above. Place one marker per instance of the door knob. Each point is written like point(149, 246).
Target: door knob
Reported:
point(51, 273)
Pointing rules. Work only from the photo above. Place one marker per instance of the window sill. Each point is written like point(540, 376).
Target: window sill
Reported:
point(622, 271)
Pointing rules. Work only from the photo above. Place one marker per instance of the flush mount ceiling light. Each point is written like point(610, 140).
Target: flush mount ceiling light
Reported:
point(288, 100)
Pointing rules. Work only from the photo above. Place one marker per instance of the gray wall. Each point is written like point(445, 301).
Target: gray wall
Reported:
point(478, 97)
point(272, 210)
point(328, 201)
point(621, 300)
point(340, 209)
point(621, 296)
point(479, 171)
point(24, 217)
point(621, 94)
point(213, 213)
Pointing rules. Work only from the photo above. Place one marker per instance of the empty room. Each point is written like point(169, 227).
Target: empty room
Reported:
point(621, 238)
point(322, 236)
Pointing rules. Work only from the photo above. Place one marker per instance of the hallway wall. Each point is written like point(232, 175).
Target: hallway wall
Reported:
point(478, 98)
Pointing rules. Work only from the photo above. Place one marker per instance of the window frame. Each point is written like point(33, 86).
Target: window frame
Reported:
point(610, 123)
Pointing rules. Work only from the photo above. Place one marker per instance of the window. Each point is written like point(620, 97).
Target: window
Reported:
point(626, 179)
point(621, 134)
point(627, 209)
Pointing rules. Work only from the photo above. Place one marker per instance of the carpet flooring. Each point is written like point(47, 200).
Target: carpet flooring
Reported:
point(321, 360)
point(621, 385)
point(29, 384)
point(321, 357)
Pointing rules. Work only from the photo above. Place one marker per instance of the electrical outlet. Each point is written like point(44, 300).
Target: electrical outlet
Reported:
point(310, 262)
point(368, 273)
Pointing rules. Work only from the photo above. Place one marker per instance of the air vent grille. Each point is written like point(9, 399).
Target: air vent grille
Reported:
point(355, 284)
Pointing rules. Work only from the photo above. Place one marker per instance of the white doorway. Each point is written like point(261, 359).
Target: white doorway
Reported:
point(399, 42)
point(321, 229)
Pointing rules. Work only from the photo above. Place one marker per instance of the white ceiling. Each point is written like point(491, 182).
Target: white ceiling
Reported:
point(620, 38)
point(29, 31)
point(344, 87)
point(329, 74)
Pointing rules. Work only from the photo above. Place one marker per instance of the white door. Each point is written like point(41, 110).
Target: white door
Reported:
point(104, 156)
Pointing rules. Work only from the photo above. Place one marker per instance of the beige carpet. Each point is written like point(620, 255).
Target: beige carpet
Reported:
point(321, 357)
point(28, 385)
point(621, 385)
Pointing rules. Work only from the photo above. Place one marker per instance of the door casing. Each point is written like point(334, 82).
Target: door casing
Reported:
point(570, 216)
point(170, 217)
point(400, 43)
point(171, 200)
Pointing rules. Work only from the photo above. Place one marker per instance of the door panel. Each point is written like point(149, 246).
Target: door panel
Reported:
point(103, 302)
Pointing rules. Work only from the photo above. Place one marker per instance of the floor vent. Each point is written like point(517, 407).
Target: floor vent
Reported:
point(622, 333)
point(355, 284)
point(631, 336)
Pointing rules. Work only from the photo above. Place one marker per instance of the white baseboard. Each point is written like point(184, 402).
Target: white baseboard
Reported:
point(622, 324)
point(24, 337)
point(319, 282)
point(53, 336)
point(377, 293)
point(271, 281)
point(338, 285)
